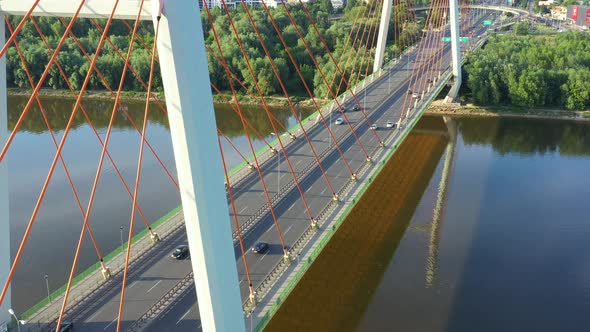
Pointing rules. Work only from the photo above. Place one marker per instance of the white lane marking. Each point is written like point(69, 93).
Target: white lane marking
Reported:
point(242, 210)
point(132, 284)
point(288, 229)
point(308, 189)
point(181, 318)
point(261, 258)
point(114, 320)
point(159, 281)
point(91, 317)
point(291, 206)
point(269, 229)
point(297, 162)
point(323, 191)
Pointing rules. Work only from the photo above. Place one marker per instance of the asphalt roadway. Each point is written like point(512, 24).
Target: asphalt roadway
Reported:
point(153, 275)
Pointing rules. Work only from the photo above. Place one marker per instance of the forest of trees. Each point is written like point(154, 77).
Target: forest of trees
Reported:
point(334, 31)
point(532, 71)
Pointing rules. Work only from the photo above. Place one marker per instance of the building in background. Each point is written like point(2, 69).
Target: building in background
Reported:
point(558, 13)
point(578, 15)
point(546, 2)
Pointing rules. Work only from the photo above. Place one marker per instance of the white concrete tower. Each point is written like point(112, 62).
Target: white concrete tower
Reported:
point(185, 74)
point(455, 41)
point(382, 38)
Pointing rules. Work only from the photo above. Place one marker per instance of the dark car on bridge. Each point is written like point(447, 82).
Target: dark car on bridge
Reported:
point(260, 247)
point(356, 108)
point(181, 252)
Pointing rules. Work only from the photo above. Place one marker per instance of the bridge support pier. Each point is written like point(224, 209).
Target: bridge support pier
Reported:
point(4, 206)
point(382, 38)
point(185, 76)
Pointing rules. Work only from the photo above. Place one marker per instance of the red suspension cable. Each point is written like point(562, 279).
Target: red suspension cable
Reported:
point(139, 162)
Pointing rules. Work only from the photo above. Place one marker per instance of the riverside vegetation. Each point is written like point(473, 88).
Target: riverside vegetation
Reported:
point(548, 71)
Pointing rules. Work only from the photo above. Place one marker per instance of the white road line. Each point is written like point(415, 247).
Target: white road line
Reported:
point(159, 281)
point(323, 191)
point(95, 314)
point(268, 230)
point(291, 206)
point(297, 162)
point(114, 320)
point(288, 229)
point(181, 318)
point(261, 258)
point(242, 210)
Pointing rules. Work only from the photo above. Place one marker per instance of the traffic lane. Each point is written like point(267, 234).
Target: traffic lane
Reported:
point(141, 293)
point(182, 315)
point(110, 288)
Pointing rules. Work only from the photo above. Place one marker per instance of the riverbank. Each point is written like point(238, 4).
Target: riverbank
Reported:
point(438, 107)
point(140, 96)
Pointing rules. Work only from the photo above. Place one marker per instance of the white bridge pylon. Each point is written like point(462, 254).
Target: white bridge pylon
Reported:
point(185, 76)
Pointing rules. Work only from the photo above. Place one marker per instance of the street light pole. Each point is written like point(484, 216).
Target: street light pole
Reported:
point(121, 228)
point(389, 81)
point(365, 100)
point(47, 284)
point(278, 172)
point(18, 321)
point(329, 133)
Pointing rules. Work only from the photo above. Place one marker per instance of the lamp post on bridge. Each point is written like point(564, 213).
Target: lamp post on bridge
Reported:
point(47, 285)
point(121, 229)
point(18, 321)
point(330, 131)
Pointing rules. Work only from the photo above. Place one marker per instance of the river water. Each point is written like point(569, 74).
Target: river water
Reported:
point(51, 245)
point(480, 227)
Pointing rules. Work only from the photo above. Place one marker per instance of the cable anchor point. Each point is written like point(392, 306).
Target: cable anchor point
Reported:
point(154, 237)
point(106, 272)
point(335, 197)
point(314, 224)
